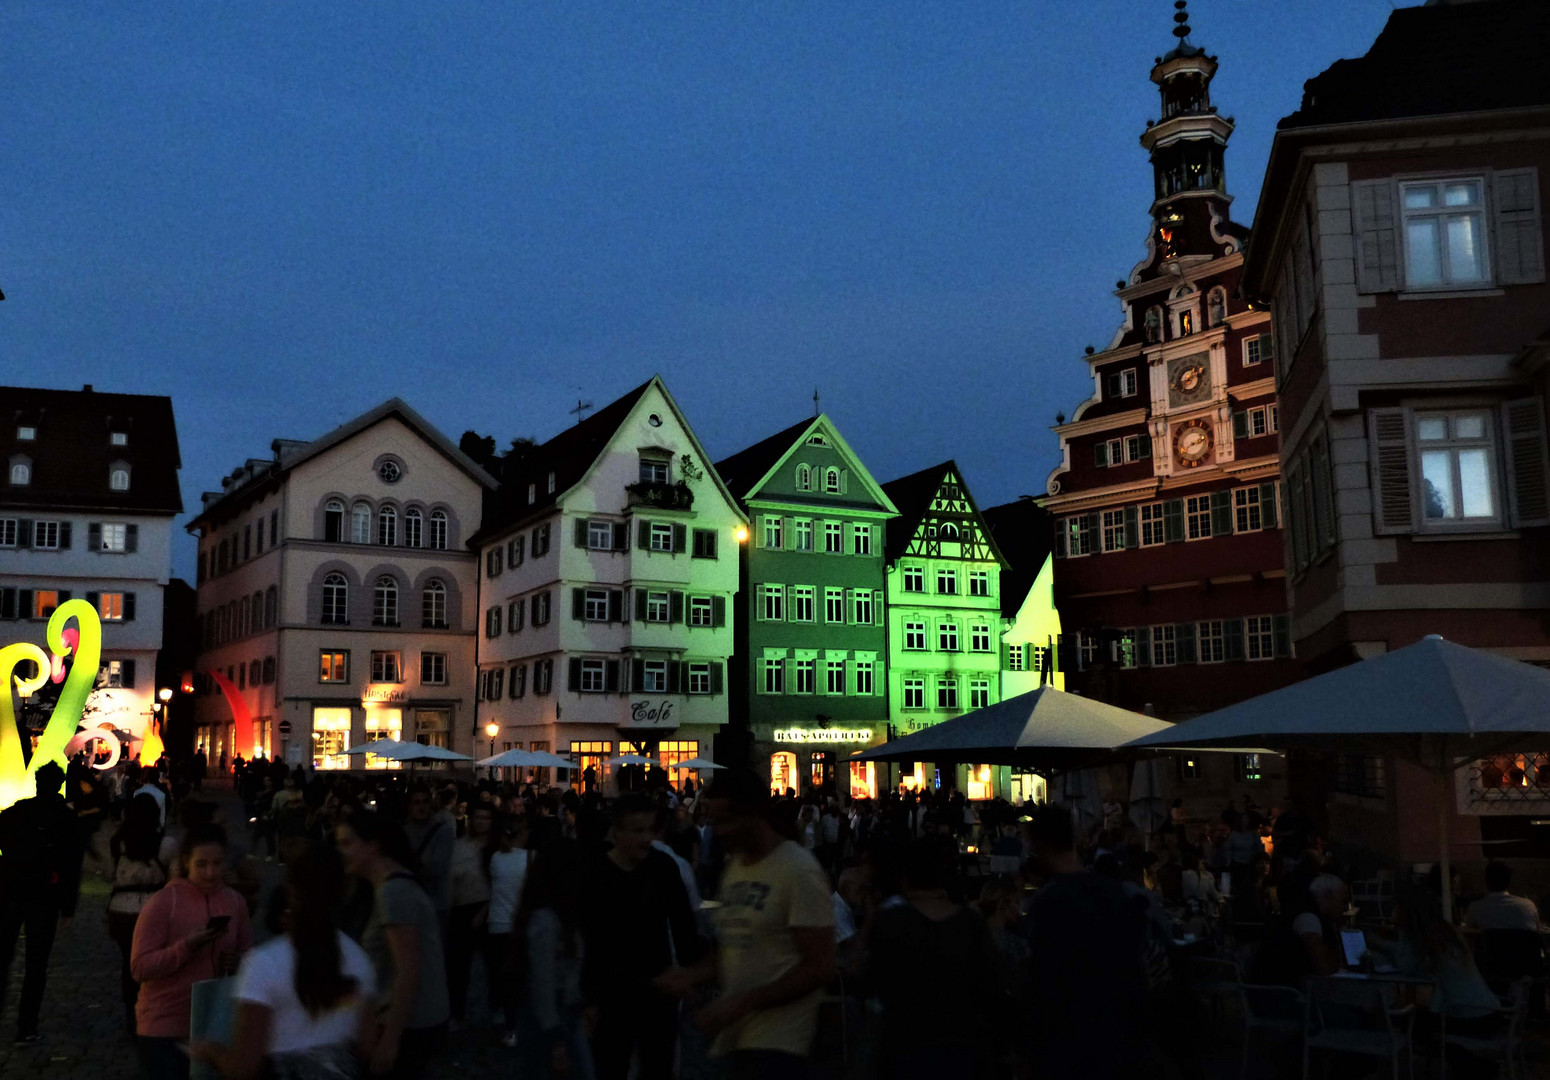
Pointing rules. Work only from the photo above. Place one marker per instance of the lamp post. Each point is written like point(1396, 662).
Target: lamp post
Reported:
point(492, 729)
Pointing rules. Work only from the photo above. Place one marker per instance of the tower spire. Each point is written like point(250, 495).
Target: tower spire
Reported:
point(1181, 18)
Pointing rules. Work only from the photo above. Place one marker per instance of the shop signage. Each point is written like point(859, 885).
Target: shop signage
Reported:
point(651, 714)
point(384, 694)
point(823, 735)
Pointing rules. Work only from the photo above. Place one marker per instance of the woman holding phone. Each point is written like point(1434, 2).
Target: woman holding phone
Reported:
point(195, 928)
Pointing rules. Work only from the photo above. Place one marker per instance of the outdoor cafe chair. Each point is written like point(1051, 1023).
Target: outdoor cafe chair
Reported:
point(1504, 1049)
point(1376, 892)
point(1348, 1015)
point(1276, 1012)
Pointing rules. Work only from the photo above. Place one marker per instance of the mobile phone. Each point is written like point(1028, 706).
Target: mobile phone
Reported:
point(218, 922)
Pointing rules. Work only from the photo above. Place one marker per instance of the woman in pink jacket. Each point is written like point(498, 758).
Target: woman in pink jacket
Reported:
point(193, 929)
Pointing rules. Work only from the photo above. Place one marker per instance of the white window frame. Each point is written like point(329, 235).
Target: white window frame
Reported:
point(1451, 445)
point(45, 535)
point(1078, 535)
point(861, 539)
point(979, 583)
point(1150, 519)
point(833, 604)
point(947, 692)
point(913, 692)
point(1259, 636)
point(772, 607)
point(594, 677)
point(863, 608)
point(804, 672)
point(702, 611)
point(9, 530)
point(1197, 517)
point(831, 481)
point(697, 678)
point(948, 637)
point(833, 538)
point(979, 693)
point(1441, 213)
point(594, 605)
point(1211, 641)
point(1113, 530)
point(866, 678)
point(653, 679)
point(834, 679)
point(1247, 513)
point(1015, 658)
point(387, 666)
point(659, 536)
point(432, 660)
point(654, 470)
point(773, 531)
point(915, 575)
point(1165, 646)
point(915, 631)
point(110, 606)
point(26, 433)
point(979, 637)
point(804, 604)
point(600, 535)
point(949, 575)
point(1252, 354)
point(774, 675)
point(659, 607)
point(802, 533)
point(114, 537)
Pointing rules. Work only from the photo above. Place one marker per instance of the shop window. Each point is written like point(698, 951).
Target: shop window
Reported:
point(863, 780)
point(383, 724)
point(783, 772)
point(330, 738)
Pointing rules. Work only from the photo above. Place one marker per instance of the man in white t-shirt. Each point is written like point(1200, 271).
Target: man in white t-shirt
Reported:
point(1500, 909)
point(775, 949)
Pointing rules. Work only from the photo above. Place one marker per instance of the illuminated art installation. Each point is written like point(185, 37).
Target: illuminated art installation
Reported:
point(81, 644)
point(242, 720)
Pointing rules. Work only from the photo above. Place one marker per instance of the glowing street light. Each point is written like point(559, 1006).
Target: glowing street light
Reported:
point(742, 534)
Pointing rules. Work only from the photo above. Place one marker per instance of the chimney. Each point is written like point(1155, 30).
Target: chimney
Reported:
point(86, 389)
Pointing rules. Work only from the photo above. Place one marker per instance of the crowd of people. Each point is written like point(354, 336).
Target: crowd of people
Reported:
point(1040, 941)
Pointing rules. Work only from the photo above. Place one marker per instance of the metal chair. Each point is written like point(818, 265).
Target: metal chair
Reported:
point(1378, 892)
point(1353, 1016)
point(1504, 1049)
point(1274, 1011)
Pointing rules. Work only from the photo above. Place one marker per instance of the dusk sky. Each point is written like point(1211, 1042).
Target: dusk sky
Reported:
point(282, 214)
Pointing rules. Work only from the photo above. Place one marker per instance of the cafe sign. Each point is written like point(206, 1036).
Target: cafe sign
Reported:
point(823, 735)
point(651, 714)
point(384, 694)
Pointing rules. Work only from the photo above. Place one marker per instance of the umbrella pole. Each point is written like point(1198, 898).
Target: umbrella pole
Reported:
point(1444, 774)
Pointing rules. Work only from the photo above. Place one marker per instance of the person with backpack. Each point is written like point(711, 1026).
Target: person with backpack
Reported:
point(40, 880)
point(138, 874)
point(403, 939)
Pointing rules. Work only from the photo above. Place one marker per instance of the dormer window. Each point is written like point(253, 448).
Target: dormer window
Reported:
point(118, 438)
point(21, 472)
point(118, 478)
point(654, 470)
point(817, 440)
point(832, 483)
point(26, 434)
point(804, 478)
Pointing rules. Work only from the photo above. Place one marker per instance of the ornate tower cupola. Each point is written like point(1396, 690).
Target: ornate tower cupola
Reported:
point(1187, 145)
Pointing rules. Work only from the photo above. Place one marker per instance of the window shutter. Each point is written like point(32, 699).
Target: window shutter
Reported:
point(24, 533)
point(611, 676)
point(877, 607)
point(1528, 472)
point(24, 603)
point(1389, 431)
point(1232, 634)
point(637, 674)
point(581, 532)
point(132, 537)
point(678, 538)
point(1060, 538)
point(574, 680)
point(1240, 424)
point(1221, 513)
point(7, 603)
point(1267, 505)
point(1101, 454)
point(1143, 646)
point(1132, 526)
point(127, 670)
point(716, 677)
point(1283, 634)
point(64, 594)
point(1146, 446)
point(1520, 255)
point(64, 536)
point(640, 605)
point(1267, 347)
point(616, 605)
point(718, 611)
point(521, 543)
point(95, 600)
point(1377, 241)
point(676, 607)
point(643, 534)
point(94, 536)
point(1184, 638)
point(621, 536)
point(578, 603)
point(674, 676)
point(1173, 521)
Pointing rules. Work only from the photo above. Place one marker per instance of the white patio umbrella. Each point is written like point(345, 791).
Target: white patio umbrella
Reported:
point(438, 753)
point(381, 747)
point(510, 758)
point(697, 763)
point(542, 759)
point(1435, 703)
point(630, 759)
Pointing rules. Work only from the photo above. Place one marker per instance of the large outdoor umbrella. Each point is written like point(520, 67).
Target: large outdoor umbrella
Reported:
point(542, 759)
point(697, 763)
point(388, 748)
point(438, 753)
point(509, 758)
point(1435, 703)
point(630, 759)
point(1044, 728)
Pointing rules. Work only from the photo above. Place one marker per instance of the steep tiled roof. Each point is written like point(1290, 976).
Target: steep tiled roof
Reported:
point(1438, 59)
point(744, 469)
point(72, 453)
point(568, 455)
point(1022, 531)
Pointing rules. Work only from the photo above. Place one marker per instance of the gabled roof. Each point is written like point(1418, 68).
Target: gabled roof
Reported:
point(912, 497)
point(746, 471)
point(72, 453)
point(289, 454)
point(1022, 531)
point(1438, 59)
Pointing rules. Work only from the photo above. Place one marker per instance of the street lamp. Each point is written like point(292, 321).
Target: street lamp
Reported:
point(492, 729)
point(741, 534)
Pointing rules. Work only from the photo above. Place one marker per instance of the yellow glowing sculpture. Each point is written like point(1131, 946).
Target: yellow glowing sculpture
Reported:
point(81, 644)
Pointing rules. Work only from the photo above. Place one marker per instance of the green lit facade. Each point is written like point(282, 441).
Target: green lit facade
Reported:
point(811, 623)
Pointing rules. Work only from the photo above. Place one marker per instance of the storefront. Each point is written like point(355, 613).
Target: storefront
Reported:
point(811, 758)
point(384, 712)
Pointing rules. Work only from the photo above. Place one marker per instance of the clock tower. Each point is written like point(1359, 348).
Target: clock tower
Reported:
point(1169, 562)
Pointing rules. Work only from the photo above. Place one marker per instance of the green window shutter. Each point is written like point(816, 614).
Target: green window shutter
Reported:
point(1146, 446)
point(676, 607)
point(1267, 346)
point(1060, 538)
point(1143, 646)
point(578, 604)
point(621, 537)
point(1377, 236)
point(679, 534)
point(674, 676)
point(643, 534)
point(1132, 526)
point(1240, 424)
point(1282, 625)
point(1232, 631)
point(877, 607)
point(1173, 521)
point(611, 676)
point(1095, 530)
point(132, 538)
point(718, 611)
point(1267, 505)
point(573, 681)
point(717, 678)
point(1101, 455)
point(637, 674)
point(640, 605)
point(94, 536)
point(1184, 637)
point(581, 532)
point(616, 605)
point(1221, 513)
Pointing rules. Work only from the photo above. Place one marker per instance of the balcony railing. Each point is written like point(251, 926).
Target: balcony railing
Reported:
point(662, 496)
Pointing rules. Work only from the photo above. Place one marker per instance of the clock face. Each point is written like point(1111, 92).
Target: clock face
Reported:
point(1189, 380)
point(1192, 443)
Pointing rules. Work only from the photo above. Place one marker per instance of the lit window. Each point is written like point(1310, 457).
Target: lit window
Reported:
point(1458, 482)
point(1079, 536)
point(118, 479)
point(110, 605)
point(333, 667)
point(119, 438)
point(115, 537)
point(1444, 232)
point(21, 473)
point(44, 601)
point(26, 434)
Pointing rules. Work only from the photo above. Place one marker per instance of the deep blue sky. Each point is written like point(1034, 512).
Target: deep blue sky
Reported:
point(282, 213)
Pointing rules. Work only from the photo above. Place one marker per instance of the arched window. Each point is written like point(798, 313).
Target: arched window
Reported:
point(1216, 306)
point(804, 478)
point(360, 524)
point(414, 528)
point(438, 530)
point(1154, 324)
point(118, 478)
point(384, 602)
point(948, 531)
point(333, 521)
point(387, 526)
point(21, 472)
point(831, 481)
point(433, 605)
point(271, 607)
point(336, 600)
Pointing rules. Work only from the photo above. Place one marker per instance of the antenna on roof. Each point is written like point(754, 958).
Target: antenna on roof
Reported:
point(580, 409)
point(815, 403)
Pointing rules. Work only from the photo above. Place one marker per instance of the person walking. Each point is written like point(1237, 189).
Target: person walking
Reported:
point(195, 928)
point(138, 874)
point(470, 898)
point(40, 881)
point(403, 939)
point(549, 953)
point(505, 865)
point(775, 945)
point(305, 999)
point(431, 835)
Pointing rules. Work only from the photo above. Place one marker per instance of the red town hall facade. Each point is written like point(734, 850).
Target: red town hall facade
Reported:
point(1169, 568)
